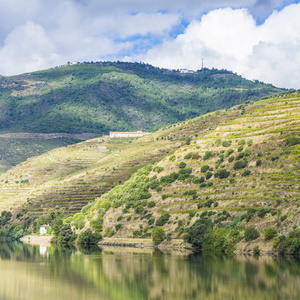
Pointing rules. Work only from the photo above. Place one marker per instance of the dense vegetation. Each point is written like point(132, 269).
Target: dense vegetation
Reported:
point(225, 185)
point(100, 97)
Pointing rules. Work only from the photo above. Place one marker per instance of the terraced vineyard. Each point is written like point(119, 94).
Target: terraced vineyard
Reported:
point(246, 169)
point(73, 176)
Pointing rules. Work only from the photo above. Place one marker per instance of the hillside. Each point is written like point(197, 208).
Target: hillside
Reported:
point(241, 173)
point(72, 176)
point(232, 169)
point(101, 97)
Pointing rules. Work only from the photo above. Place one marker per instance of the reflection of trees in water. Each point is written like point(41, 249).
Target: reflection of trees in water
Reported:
point(133, 274)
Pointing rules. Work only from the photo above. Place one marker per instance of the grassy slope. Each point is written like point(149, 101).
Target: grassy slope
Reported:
point(273, 185)
point(71, 177)
point(98, 98)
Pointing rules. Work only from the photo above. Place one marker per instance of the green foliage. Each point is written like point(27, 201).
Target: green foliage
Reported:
point(270, 233)
point(66, 236)
point(158, 169)
point(5, 217)
point(162, 220)
point(258, 162)
point(158, 235)
point(251, 233)
point(88, 238)
point(198, 232)
point(204, 168)
point(208, 175)
point(226, 143)
point(182, 165)
point(230, 159)
point(246, 173)
point(192, 155)
point(240, 148)
point(291, 141)
point(222, 173)
point(240, 164)
point(207, 155)
point(151, 204)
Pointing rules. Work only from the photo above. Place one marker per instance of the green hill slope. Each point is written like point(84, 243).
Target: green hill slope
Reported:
point(243, 172)
point(101, 97)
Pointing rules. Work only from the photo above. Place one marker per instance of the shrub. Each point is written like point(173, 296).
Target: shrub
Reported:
point(258, 162)
point(192, 155)
point(162, 220)
point(158, 235)
point(247, 152)
point(226, 143)
point(151, 204)
point(198, 232)
point(251, 233)
point(182, 165)
point(231, 159)
point(202, 185)
point(269, 233)
point(229, 152)
point(222, 173)
point(291, 141)
point(204, 168)
point(207, 155)
point(172, 157)
point(261, 212)
point(250, 143)
point(240, 148)
point(240, 164)
point(208, 175)
point(241, 142)
point(158, 169)
point(246, 173)
point(66, 235)
point(118, 226)
point(87, 238)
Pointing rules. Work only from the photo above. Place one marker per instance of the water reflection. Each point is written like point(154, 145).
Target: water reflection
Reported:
point(34, 272)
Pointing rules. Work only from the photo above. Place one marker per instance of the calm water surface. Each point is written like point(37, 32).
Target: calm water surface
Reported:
point(39, 272)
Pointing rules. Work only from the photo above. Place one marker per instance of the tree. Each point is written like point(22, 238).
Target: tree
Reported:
point(66, 235)
point(158, 235)
point(87, 238)
point(199, 232)
point(270, 232)
point(251, 233)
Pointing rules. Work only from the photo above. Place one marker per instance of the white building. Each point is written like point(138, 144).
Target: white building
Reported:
point(117, 134)
point(43, 229)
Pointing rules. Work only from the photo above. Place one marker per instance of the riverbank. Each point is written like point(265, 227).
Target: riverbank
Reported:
point(43, 240)
point(173, 245)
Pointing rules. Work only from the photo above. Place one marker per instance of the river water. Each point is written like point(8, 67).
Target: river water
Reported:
point(39, 272)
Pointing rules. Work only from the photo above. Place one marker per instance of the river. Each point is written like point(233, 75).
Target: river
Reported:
point(40, 272)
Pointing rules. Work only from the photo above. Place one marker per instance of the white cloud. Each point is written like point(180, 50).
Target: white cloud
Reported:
point(230, 39)
point(27, 48)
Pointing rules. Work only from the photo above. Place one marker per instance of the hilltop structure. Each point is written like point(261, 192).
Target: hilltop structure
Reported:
point(117, 134)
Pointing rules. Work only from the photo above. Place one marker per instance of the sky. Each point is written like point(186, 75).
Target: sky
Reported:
point(258, 39)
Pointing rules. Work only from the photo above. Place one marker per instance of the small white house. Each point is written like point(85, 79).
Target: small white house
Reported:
point(43, 229)
point(117, 134)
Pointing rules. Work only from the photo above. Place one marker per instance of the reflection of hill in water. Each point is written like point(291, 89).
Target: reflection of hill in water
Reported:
point(113, 274)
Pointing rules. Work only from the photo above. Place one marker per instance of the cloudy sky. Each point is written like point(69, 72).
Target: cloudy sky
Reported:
point(258, 39)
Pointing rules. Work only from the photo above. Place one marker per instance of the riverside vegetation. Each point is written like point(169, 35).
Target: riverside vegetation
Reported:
point(96, 98)
point(230, 181)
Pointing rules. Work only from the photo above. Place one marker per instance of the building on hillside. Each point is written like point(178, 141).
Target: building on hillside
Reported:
point(117, 134)
point(186, 71)
point(43, 229)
